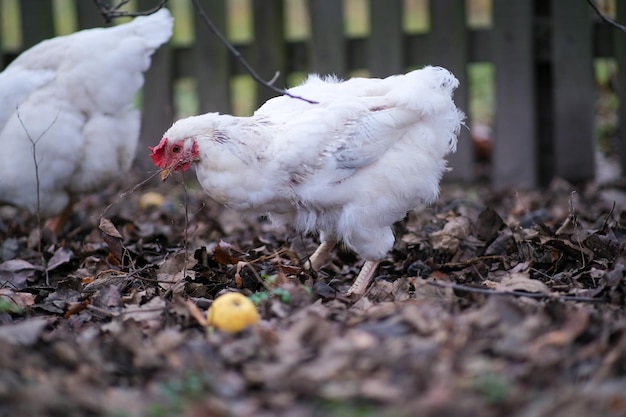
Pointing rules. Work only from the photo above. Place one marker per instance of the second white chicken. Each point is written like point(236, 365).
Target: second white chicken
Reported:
point(68, 103)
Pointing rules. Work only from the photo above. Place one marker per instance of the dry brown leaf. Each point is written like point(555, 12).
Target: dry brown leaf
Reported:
point(577, 322)
point(195, 312)
point(24, 333)
point(449, 238)
point(521, 282)
point(113, 239)
point(223, 254)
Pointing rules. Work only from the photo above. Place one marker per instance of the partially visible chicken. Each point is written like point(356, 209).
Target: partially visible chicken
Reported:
point(349, 166)
point(70, 100)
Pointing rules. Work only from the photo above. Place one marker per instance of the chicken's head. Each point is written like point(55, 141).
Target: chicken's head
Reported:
point(174, 155)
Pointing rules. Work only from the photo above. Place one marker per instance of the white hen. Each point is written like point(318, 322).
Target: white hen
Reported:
point(73, 96)
point(348, 166)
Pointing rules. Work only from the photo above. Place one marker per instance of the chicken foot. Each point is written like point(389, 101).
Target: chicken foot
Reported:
point(363, 279)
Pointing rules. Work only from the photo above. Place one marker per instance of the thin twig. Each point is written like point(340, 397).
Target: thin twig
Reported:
point(33, 144)
point(605, 18)
point(608, 217)
point(185, 232)
point(538, 296)
point(127, 192)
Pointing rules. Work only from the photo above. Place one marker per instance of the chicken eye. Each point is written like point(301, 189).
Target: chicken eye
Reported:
point(176, 149)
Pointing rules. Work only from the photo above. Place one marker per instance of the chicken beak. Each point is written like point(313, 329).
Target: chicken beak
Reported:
point(164, 174)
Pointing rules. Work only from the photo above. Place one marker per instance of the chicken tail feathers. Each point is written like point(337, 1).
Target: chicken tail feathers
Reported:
point(155, 29)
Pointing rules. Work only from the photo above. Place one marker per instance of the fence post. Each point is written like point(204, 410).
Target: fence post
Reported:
point(573, 78)
point(1, 48)
point(449, 47)
point(88, 15)
point(386, 41)
point(620, 56)
point(514, 159)
point(211, 60)
point(327, 44)
point(157, 109)
point(37, 22)
point(269, 49)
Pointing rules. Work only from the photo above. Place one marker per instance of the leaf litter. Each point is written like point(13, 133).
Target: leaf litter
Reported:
point(489, 304)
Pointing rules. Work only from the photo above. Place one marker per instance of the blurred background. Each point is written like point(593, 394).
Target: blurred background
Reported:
point(540, 79)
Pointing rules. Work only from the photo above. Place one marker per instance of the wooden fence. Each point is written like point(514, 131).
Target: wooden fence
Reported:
point(542, 52)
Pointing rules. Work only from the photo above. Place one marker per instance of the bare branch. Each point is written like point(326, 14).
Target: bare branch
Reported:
point(537, 296)
point(605, 18)
point(240, 58)
point(33, 143)
point(110, 12)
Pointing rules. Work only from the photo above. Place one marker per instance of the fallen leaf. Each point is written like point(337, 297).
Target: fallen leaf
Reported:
point(24, 333)
point(60, 257)
point(195, 312)
point(107, 227)
point(223, 254)
point(488, 224)
point(521, 282)
point(449, 238)
point(149, 312)
point(16, 273)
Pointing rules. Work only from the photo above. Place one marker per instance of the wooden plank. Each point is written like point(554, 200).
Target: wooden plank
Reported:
point(327, 46)
point(269, 46)
point(88, 15)
point(514, 152)
point(543, 91)
point(211, 60)
point(620, 56)
point(448, 42)
point(2, 58)
point(573, 90)
point(157, 108)
point(37, 21)
point(385, 43)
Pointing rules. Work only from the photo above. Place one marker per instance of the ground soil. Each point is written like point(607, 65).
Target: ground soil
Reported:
point(490, 304)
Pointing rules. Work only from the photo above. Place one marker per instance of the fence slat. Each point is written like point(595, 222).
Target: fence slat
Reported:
point(620, 56)
point(448, 42)
point(269, 45)
point(88, 15)
point(514, 152)
point(211, 60)
point(2, 59)
point(573, 90)
point(385, 43)
point(157, 113)
point(37, 22)
point(327, 46)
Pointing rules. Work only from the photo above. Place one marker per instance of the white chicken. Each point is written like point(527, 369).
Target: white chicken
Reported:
point(69, 101)
point(349, 166)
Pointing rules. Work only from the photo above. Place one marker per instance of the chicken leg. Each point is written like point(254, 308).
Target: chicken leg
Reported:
point(363, 279)
point(321, 256)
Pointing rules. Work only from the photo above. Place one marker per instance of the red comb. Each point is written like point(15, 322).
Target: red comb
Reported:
point(156, 153)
